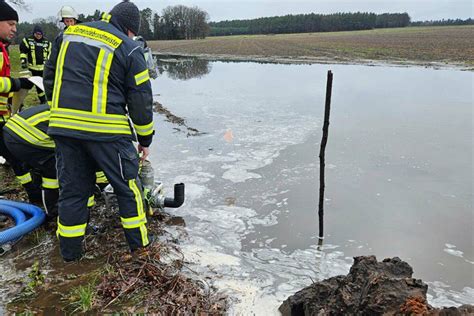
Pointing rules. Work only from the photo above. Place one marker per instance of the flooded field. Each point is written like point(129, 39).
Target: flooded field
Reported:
point(398, 179)
point(244, 137)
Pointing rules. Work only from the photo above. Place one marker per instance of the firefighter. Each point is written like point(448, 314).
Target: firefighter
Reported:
point(8, 22)
point(97, 79)
point(26, 139)
point(68, 16)
point(34, 51)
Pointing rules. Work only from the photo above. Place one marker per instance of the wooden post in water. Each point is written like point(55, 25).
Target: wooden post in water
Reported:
point(322, 153)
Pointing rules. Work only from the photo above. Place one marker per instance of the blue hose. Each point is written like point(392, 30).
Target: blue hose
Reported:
point(17, 210)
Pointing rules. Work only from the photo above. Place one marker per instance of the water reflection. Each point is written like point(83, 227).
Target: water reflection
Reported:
point(184, 69)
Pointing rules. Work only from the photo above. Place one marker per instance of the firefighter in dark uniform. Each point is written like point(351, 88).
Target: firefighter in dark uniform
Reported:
point(34, 51)
point(26, 139)
point(97, 79)
point(8, 85)
point(25, 136)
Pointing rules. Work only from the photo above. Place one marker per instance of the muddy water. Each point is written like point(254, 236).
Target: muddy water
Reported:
point(399, 174)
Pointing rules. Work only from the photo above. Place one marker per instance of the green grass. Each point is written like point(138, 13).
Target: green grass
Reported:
point(82, 298)
point(14, 52)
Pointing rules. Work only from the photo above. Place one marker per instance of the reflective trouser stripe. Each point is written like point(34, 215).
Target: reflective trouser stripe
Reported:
point(71, 231)
point(5, 86)
point(91, 201)
point(24, 179)
point(49, 183)
point(133, 222)
point(100, 177)
point(144, 130)
point(139, 220)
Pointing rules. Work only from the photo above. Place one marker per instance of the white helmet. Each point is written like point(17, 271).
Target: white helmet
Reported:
point(67, 12)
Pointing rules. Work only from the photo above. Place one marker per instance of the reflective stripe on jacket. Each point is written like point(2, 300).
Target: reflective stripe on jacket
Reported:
point(96, 79)
point(5, 83)
point(30, 126)
point(35, 52)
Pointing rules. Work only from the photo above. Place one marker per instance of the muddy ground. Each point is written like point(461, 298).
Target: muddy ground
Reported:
point(109, 278)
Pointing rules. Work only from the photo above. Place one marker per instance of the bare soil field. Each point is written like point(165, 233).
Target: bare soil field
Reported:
point(445, 45)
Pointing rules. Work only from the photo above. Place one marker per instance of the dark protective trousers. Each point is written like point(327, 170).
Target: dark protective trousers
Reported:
point(77, 161)
point(21, 171)
point(41, 94)
point(43, 161)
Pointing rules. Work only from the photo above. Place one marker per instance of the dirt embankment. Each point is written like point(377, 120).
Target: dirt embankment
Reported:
point(430, 46)
point(370, 288)
point(155, 280)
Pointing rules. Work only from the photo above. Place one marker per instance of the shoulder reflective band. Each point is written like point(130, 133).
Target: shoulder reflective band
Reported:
point(5, 85)
point(48, 183)
point(93, 33)
point(142, 77)
point(30, 134)
point(101, 81)
point(71, 231)
point(59, 74)
point(24, 179)
point(106, 17)
point(144, 130)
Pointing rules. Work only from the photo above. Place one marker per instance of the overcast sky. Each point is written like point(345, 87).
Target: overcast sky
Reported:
point(247, 9)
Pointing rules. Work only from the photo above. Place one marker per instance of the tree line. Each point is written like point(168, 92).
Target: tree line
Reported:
point(443, 22)
point(305, 23)
point(181, 22)
point(174, 23)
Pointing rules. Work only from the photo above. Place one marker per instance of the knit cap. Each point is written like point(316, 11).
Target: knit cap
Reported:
point(37, 29)
point(127, 16)
point(7, 13)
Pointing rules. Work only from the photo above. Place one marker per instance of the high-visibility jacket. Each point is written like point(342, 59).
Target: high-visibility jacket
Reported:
point(5, 83)
point(30, 126)
point(96, 79)
point(35, 52)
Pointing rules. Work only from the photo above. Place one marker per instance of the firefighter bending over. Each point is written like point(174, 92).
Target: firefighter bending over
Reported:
point(96, 79)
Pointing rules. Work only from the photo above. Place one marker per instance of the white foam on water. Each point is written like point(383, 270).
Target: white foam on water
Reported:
point(450, 249)
point(440, 295)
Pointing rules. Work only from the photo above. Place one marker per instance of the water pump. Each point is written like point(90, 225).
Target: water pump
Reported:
point(152, 190)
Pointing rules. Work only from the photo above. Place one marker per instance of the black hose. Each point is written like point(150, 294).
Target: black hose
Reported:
point(178, 199)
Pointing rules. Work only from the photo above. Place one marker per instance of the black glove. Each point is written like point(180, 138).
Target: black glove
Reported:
point(24, 64)
point(20, 83)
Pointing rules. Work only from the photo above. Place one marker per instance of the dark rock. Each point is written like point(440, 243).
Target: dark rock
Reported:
point(370, 288)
